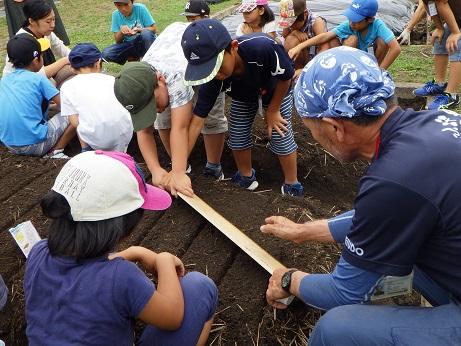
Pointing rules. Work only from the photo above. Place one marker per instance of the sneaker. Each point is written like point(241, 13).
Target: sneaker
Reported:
point(248, 183)
point(444, 101)
point(56, 154)
point(217, 174)
point(430, 88)
point(294, 190)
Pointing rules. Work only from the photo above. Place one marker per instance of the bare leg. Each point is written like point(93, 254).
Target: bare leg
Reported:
point(214, 145)
point(289, 167)
point(303, 58)
point(380, 50)
point(454, 77)
point(440, 67)
point(165, 137)
point(243, 161)
point(66, 137)
point(205, 333)
point(351, 41)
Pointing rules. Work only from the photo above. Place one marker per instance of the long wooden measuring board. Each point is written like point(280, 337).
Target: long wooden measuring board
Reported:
point(261, 256)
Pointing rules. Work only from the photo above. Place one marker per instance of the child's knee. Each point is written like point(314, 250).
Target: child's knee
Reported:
point(200, 290)
point(351, 41)
point(291, 41)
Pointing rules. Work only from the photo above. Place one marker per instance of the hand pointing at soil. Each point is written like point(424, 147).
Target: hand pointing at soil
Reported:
point(283, 228)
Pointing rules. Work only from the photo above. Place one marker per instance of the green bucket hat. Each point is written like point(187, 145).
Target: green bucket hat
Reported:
point(134, 89)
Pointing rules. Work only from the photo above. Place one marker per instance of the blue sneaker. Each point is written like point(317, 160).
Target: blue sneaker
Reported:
point(430, 88)
point(444, 101)
point(248, 183)
point(294, 190)
point(217, 174)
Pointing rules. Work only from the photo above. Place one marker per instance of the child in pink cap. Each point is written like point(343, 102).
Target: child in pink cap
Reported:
point(257, 17)
point(78, 291)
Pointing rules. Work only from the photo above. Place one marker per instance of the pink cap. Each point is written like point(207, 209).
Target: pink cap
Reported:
point(154, 198)
point(250, 5)
point(99, 185)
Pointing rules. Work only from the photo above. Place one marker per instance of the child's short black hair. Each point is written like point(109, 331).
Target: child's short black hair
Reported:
point(22, 49)
point(268, 15)
point(84, 239)
point(35, 9)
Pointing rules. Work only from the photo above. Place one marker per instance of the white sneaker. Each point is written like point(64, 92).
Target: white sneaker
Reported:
point(56, 154)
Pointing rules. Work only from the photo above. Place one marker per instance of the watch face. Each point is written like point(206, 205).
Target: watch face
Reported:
point(286, 278)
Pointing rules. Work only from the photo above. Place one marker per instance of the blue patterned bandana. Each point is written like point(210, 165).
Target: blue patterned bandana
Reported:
point(342, 82)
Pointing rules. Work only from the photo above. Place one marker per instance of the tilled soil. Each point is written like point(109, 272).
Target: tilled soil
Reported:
point(243, 316)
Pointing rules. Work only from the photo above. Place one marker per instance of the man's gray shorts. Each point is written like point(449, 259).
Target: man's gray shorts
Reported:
point(440, 47)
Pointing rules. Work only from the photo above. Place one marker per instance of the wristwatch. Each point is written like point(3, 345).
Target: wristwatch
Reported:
point(286, 279)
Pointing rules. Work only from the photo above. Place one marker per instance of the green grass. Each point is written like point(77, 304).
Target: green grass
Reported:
point(89, 21)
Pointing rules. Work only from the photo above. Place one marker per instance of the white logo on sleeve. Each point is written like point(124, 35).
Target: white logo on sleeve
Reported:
point(352, 248)
point(278, 69)
point(451, 123)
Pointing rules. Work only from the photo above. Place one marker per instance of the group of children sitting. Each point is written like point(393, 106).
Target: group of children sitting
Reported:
point(178, 88)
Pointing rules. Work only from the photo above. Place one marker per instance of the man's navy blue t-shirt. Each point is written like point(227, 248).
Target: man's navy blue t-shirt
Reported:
point(91, 303)
point(265, 61)
point(408, 207)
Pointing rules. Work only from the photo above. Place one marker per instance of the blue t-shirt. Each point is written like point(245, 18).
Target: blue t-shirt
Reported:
point(377, 29)
point(93, 303)
point(266, 62)
point(408, 210)
point(24, 98)
point(140, 17)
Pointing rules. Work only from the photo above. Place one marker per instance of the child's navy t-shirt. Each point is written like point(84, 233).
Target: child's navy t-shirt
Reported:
point(92, 303)
point(266, 62)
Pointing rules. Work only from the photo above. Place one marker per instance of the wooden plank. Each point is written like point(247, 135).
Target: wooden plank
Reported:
point(261, 256)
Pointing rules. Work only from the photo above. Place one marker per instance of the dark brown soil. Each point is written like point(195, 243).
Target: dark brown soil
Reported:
point(243, 316)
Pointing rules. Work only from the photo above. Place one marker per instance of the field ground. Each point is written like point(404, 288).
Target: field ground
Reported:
point(243, 316)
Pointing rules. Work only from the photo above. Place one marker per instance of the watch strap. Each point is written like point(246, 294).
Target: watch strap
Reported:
point(288, 275)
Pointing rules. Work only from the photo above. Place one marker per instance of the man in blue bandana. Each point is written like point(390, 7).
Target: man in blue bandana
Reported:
point(405, 229)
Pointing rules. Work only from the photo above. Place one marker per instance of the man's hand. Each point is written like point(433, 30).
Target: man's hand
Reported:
point(452, 42)
point(178, 182)
point(437, 34)
point(275, 291)
point(404, 37)
point(275, 122)
point(282, 228)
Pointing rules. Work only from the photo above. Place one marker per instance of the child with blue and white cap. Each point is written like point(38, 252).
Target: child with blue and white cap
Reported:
point(363, 31)
point(404, 230)
point(250, 67)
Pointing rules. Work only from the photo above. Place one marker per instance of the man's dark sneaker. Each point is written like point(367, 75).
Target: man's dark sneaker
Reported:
point(430, 88)
point(444, 101)
point(295, 190)
point(217, 174)
point(248, 183)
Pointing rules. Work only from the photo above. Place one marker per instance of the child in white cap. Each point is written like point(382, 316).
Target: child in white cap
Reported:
point(79, 291)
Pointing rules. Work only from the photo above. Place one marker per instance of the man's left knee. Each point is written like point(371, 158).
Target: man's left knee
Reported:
point(334, 327)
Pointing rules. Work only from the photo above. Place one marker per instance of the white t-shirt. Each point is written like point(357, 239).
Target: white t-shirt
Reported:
point(103, 122)
point(266, 29)
point(166, 55)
